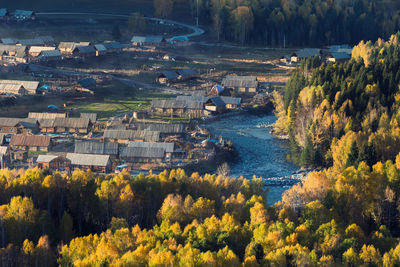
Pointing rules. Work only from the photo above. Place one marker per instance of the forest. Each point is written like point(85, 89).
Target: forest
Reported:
point(172, 219)
point(341, 114)
point(297, 23)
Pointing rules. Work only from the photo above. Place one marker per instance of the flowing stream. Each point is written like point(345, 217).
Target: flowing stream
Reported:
point(260, 153)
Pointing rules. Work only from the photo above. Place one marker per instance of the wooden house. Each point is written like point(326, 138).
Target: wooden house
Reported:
point(50, 55)
point(22, 142)
point(149, 40)
point(53, 162)
point(34, 51)
point(72, 125)
point(241, 84)
point(18, 125)
point(168, 106)
point(168, 77)
point(304, 54)
point(66, 47)
point(168, 147)
point(215, 104)
point(30, 87)
point(13, 53)
point(142, 154)
point(13, 89)
point(96, 163)
point(231, 102)
point(337, 57)
point(124, 136)
point(64, 125)
point(84, 51)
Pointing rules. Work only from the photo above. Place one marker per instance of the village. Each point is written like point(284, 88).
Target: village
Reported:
point(160, 133)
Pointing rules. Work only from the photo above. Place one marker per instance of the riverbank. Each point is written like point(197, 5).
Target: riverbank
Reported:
point(259, 153)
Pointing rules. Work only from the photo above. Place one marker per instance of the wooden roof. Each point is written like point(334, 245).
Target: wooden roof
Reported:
point(143, 152)
point(46, 115)
point(29, 140)
point(168, 147)
point(161, 127)
point(133, 135)
point(240, 81)
point(88, 159)
point(95, 147)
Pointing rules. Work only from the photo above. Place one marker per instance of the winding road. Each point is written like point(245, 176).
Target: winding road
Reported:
point(196, 31)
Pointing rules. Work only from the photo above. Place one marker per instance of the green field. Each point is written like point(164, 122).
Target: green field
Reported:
point(110, 99)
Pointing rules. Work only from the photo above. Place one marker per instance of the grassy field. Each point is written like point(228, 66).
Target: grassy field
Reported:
point(110, 99)
point(117, 98)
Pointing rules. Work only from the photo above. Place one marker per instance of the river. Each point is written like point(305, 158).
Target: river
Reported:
point(260, 153)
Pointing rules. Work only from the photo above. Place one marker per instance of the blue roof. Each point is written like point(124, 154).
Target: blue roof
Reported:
point(44, 87)
point(52, 107)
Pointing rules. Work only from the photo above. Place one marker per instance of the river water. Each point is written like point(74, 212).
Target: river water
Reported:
point(260, 153)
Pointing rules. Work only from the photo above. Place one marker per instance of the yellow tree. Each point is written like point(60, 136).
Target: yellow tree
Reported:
point(244, 22)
